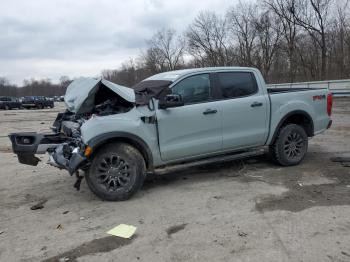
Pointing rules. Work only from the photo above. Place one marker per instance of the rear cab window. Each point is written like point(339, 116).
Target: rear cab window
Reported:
point(237, 84)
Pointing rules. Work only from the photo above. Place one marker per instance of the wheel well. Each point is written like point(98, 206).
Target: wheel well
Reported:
point(301, 119)
point(145, 152)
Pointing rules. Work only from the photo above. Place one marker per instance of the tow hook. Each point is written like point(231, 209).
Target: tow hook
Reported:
point(78, 182)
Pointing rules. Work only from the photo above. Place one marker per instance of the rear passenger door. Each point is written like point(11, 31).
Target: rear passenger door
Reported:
point(244, 109)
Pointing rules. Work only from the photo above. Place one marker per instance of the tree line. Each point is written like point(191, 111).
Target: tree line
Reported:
point(288, 40)
point(32, 87)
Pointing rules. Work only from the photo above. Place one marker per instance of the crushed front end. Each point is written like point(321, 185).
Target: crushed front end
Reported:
point(64, 146)
point(85, 98)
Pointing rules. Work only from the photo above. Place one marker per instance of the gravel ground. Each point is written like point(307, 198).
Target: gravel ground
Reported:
point(249, 210)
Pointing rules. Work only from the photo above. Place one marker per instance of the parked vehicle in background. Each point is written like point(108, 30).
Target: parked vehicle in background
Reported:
point(57, 99)
point(38, 102)
point(118, 135)
point(9, 102)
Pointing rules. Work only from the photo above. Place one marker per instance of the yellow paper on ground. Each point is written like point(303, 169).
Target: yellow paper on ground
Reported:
point(124, 231)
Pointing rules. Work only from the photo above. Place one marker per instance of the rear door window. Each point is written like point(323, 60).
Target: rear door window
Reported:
point(237, 84)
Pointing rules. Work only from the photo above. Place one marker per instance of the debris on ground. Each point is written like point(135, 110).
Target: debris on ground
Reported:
point(340, 159)
point(174, 229)
point(2, 232)
point(345, 254)
point(242, 234)
point(63, 259)
point(344, 161)
point(65, 212)
point(82, 218)
point(300, 183)
point(251, 161)
point(78, 181)
point(59, 226)
point(39, 205)
point(218, 197)
point(122, 230)
point(255, 176)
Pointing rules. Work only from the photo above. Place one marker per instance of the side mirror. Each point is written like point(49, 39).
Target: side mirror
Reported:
point(170, 101)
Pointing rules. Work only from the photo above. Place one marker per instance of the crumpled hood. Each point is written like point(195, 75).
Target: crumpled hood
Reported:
point(79, 97)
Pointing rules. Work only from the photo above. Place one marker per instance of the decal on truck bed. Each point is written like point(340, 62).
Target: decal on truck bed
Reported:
point(320, 97)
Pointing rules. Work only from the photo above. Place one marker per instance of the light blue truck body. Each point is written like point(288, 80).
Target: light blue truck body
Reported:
point(185, 133)
point(120, 136)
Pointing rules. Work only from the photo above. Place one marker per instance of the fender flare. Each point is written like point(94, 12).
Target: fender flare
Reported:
point(295, 112)
point(132, 139)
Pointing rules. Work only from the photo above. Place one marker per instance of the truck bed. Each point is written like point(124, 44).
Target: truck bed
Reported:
point(313, 101)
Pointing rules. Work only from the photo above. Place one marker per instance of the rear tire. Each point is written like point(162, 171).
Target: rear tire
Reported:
point(290, 146)
point(117, 172)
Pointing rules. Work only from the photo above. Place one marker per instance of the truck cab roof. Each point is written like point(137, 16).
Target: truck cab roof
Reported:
point(176, 74)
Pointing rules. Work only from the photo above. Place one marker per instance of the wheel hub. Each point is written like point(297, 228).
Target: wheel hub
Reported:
point(113, 173)
point(293, 145)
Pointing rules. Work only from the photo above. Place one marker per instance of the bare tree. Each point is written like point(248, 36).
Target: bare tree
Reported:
point(208, 40)
point(153, 60)
point(165, 51)
point(242, 21)
point(289, 32)
point(4, 81)
point(130, 73)
point(269, 32)
point(337, 42)
point(312, 15)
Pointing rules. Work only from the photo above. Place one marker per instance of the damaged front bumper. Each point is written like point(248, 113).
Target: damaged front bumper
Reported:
point(64, 152)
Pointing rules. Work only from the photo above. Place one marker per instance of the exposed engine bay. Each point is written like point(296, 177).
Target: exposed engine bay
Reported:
point(92, 109)
point(64, 146)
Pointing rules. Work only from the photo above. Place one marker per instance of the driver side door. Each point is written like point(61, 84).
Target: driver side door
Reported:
point(193, 129)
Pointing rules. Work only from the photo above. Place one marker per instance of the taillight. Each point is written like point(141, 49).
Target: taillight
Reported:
point(329, 104)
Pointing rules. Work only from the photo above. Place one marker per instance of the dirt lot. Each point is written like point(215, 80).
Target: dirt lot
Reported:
point(241, 211)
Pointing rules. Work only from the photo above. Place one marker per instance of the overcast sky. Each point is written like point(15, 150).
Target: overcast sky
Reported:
point(51, 38)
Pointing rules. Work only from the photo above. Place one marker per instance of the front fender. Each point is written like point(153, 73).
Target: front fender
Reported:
point(136, 141)
point(127, 126)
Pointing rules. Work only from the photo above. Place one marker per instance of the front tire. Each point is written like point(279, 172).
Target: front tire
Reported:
point(117, 172)
point(290, 146)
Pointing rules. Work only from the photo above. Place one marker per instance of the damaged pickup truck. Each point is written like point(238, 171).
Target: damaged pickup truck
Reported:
point(117, 135)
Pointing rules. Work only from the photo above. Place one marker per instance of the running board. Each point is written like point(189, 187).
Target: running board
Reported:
point(206, 161)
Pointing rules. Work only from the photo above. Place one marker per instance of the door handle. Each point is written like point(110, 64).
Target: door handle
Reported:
point(210, 111)
point(256, 104)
